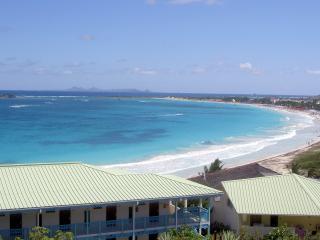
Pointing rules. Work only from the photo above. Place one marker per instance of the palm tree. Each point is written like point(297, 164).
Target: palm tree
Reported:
point(215, 166)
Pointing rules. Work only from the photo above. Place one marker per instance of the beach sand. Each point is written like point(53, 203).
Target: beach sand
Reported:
point(305, 140)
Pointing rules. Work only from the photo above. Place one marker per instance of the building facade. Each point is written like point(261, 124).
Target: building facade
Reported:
point(95, 203)
point(258, 205)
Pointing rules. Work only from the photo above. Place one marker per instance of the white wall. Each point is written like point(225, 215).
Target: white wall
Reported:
point(225, 214)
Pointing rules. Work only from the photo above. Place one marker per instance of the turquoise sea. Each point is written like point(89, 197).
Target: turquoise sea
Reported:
point(103, 129)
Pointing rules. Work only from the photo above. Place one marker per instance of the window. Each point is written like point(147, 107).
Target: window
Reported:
point(255, 220)
point(86, 216)
point(274, 221)
point(15, 221)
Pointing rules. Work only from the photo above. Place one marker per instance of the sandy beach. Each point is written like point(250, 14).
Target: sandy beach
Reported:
point(277, 162)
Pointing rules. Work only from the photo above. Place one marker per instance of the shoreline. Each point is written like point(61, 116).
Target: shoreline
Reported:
point(269, 160)
point(278, 162)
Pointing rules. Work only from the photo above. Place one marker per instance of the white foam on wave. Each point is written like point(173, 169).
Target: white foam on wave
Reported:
point(235, 147)
point(195, 158)
point(172, 115)
point(22, 106)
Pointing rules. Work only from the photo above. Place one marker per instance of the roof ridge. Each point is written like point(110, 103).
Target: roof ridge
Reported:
point(188, 182)
point(37, 164)
point(309, 193)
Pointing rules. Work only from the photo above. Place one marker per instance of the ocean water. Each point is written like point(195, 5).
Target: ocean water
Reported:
point(140, 133)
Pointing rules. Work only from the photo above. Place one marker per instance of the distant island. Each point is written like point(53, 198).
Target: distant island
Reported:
point(94, 89)
point(7, 95)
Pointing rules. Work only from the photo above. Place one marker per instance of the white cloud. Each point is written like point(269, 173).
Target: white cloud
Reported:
point(247, 66)
point(142, 71)
point(313, 72)
point(87, 37)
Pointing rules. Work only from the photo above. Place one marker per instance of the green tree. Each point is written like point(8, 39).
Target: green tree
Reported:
point(39, 233)
point(281, 233)
point(214, 166)
point(182, 233)
point(60, 235)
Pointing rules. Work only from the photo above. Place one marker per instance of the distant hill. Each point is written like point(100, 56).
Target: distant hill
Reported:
point(93, 89)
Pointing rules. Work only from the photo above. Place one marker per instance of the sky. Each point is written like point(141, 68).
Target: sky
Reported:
point(199, 46)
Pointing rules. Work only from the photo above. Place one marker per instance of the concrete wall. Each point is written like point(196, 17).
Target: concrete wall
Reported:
point(98, 214)
point(4, 222)
point(50, 218)
point(224, 213)
point(29, 219)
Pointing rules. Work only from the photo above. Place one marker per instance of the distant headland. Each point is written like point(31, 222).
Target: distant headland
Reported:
point(7, 95)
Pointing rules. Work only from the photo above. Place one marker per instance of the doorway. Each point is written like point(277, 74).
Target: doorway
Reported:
point(15, 221)
point(65, 217)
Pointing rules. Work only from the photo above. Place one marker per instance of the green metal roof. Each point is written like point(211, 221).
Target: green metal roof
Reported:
point(288, 194)
point(74, 184)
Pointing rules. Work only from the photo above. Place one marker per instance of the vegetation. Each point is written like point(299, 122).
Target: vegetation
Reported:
point(183, 233)
point(215, 166)
point(41, 233)
point(188, 233)
point(307, 163)
point(229, 235)
point(281, 233)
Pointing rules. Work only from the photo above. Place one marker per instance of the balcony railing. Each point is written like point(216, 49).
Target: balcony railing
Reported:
point(123, 227)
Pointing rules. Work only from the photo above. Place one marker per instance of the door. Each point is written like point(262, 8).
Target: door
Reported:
point(65, 217)
point(111, 213)
point(154, 213)
point(15, 221)
point(154, 209)
point(111, 217)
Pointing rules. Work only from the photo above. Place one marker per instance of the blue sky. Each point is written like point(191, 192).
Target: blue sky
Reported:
point(205, 46)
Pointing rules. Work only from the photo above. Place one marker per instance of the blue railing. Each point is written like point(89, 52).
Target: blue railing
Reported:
point(122, 227)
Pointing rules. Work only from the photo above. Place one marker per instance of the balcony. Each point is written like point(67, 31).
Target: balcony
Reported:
point(124, 228)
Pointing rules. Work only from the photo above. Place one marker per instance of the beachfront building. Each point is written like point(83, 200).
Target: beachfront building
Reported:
point(97, 203)
point(257, 205)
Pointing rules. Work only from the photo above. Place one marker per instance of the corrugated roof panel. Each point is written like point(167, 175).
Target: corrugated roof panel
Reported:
point(63, 184)
point(275, 195)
